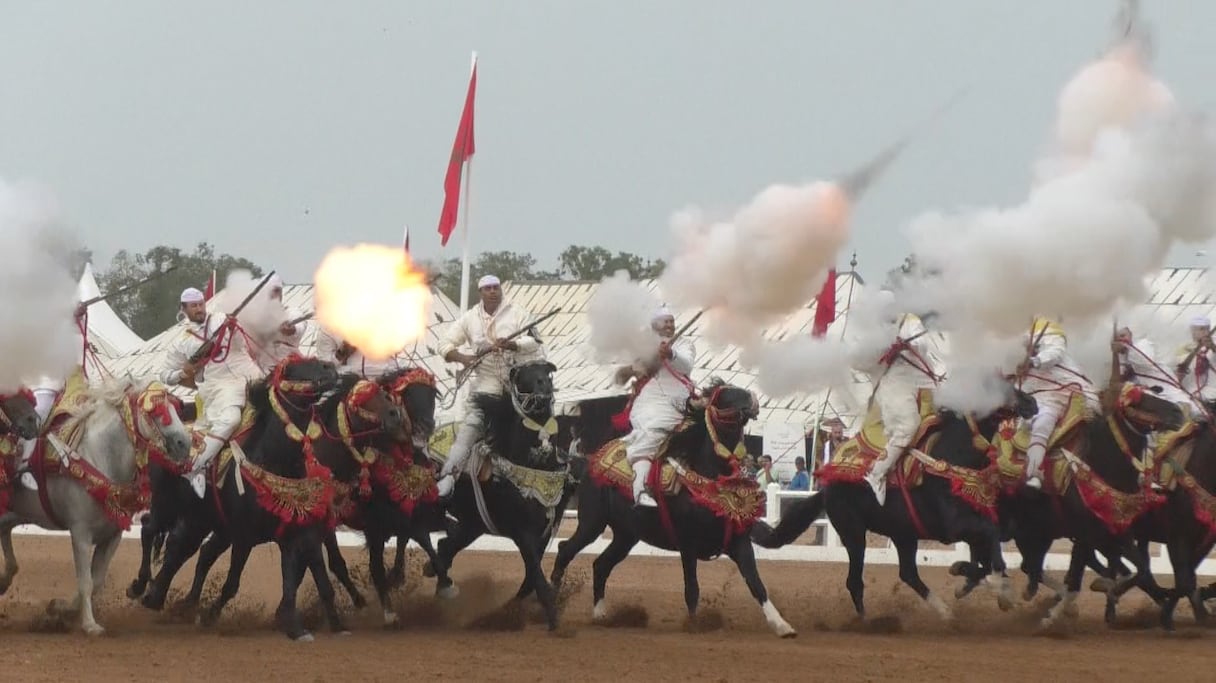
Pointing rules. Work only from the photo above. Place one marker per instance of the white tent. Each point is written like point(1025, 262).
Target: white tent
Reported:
point(107, 332)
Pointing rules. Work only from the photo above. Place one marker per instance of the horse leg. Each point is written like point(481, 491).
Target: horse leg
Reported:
point(149, 529)
point(82, 551)
point(855, 544)
point(287, 615)
point(970, 571)
point(320, 576)
point(692, 588)
point(450, 545)
point(236, 566)
point(530, 550)
point(375, 566)
point(7, 522)
point(602, 567)
point(444, 586)
point(1072, 583)
point(337, 565)
point(181, 544)
point(1004, 592)
point(905, 548)
point(207, 556)
point(591, 521)
point(396, 577)
point(744, 556)
point(103, 554)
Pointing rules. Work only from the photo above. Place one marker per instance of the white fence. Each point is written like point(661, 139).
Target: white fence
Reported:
point(829, 550)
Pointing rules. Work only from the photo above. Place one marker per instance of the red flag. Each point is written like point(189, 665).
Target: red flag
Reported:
point(825, 306)
point(209, 291)
point(462, 151)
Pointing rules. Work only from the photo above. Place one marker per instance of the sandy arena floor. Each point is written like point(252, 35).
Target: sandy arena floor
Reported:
point(451, 641)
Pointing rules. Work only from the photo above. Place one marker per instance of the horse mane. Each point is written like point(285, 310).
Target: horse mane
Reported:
point(109, 394)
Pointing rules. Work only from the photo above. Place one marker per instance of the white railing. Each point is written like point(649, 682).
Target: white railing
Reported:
point(828, 549)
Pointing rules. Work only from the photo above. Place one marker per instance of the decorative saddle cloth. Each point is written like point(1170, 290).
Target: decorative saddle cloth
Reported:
point(1013, 439)
point(737, 499)
point(544, 486)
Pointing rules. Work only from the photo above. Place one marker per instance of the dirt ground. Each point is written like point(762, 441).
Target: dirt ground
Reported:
point(454, 640)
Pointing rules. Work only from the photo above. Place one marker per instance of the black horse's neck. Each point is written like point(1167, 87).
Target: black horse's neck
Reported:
point(513, 435)
point(1111, 446)
point(956, 445)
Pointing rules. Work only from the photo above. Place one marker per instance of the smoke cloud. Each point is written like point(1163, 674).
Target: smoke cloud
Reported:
point(37, 290)
point(619, 315)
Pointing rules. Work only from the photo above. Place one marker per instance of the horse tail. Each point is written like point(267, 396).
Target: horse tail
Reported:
point(794, 521)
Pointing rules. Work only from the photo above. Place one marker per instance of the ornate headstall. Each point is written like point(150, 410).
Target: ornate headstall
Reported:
point(141, 412)
point(400, 384)
point(716, 417)
point(1128, 407)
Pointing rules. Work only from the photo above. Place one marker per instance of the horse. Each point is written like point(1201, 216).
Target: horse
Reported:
point(290, 494)
point(1102, 499)
point(693, 521)
point(513, 448)
point(105, 437)
point(173, 498)
point(930, 511)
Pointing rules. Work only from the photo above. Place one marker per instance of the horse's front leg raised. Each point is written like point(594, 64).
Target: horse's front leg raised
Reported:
point(744, 556)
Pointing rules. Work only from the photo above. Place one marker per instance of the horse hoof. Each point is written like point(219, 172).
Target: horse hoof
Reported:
point(959, 568)
point(963, 590)
point(1003, 602)
point(1101, 585)
point(135, 591)
point(343, 633)
point(306, 638)
point(428, 570)
point(391, 619)
point(5, 583)
point(599, 612)
point(449, 592)
point(94, 630)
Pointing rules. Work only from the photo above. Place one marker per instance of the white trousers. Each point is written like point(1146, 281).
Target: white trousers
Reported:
point(900, 420)
point(222, 406)
point(1051, 408)
point(467, 434)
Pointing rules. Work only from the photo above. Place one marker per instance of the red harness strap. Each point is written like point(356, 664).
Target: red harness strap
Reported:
point(902, 482)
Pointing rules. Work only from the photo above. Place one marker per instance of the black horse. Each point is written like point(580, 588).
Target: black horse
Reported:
point(283, 468)
point(679, 523)
point(513, 426)
point(1106, 450)
point(930, 511)
point(382, 513)
point(18, 416)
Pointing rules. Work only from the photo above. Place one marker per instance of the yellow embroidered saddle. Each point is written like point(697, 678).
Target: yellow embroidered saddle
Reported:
point(872, 437)
point(544, 486)
point(248, 417)
point(1013, 439)
point(854, 458)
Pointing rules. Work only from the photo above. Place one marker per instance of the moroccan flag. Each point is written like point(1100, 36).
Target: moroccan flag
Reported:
point(209, 290)
point(825, 306)
point(462, 151)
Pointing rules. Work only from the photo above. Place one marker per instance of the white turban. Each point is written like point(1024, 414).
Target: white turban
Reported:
point(1200, 321)
point(660, 313)
point(191, 295)
point(488, 281)
point(275, 282)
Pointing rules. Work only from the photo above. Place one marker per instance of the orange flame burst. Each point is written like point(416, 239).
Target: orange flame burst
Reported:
point(373, 297)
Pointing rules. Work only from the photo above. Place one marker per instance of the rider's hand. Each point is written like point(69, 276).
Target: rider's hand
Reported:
point(80, 310)
point(665, 349)
point(464, 359)
point(506, 345)
point(287, 329)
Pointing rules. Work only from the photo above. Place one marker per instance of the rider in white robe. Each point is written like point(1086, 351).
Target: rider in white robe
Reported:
point(1195, 363)
point(222, 378)
point(287, 340)
point(483, 328)
point(1139, 364)
point(660, 404)
point(1051, 377)
point(46, 390)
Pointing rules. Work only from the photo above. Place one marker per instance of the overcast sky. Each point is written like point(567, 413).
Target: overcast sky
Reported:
point(277, 129)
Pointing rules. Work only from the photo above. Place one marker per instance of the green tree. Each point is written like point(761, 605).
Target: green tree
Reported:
point(595, 263)
point(151, 309)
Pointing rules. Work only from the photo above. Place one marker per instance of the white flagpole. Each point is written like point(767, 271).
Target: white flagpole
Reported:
point(464, 259)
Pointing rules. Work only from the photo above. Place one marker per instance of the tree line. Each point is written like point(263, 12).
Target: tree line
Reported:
point(151, 310)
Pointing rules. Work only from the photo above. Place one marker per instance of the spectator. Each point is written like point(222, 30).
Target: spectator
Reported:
point(802, 478)
point(765, 476)
point(749, 466)
point(576, 446)
point(829, 441)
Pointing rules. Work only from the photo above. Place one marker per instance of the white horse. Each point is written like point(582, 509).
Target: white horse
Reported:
point(120, 425)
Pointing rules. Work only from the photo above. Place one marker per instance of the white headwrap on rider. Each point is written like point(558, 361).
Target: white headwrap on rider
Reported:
point(190, 295)
point(1200, 321)
point(660, 313)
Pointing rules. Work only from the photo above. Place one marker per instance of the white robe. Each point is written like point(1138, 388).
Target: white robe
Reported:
point(327, 348)
point(280, 345)
point(659, 406)
point(479, 330)
point(222, 383)
point(1146, 370)
point(897, 386)
point(1202, 385)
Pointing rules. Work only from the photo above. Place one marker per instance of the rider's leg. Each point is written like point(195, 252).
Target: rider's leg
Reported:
point(224, 416)
point(900, 419)
point(1041, 426)
point(640, 448)
point(462, 446)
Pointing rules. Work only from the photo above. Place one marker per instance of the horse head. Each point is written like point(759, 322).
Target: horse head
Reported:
point(157, 424)
point(728, 409)
point(414, 388)
point(1145, 411)
point(361, 408)
point(17, 414)
point(531, 386)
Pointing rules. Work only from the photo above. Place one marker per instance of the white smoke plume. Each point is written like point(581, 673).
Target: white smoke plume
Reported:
point(262, 317)
point(619, 315)
point(1130, 173)
point(37, 291)
point(767, 260)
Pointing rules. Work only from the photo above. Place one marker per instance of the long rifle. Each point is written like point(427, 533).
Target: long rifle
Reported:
point(126, 288)
point(480, 356)
point(207, 346)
